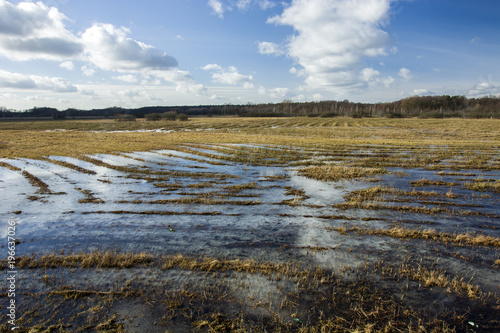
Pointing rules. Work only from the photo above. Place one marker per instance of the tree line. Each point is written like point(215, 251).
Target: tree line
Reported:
point(418, 106)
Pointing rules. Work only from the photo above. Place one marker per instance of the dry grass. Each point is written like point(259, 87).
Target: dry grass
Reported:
point(432, 277)
point(89, 197)
point(95, 259)
point(70, 166)
point(194, 200)
point(310, 299)
point(43, 188)
point(375, 198)
point(8, 166)
point(32, 140)
point(428, 182)
point(240, 187)
point(336, 173)
point(150, 212)
point(429, 234)
point(482, 185)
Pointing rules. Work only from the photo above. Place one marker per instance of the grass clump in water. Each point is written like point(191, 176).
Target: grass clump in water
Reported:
point(339, 172)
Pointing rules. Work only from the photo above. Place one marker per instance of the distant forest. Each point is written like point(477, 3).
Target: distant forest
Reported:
point(424, 107)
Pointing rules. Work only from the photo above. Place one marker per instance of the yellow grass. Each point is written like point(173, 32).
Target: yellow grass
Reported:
point(430, 234)
point(37, 139)
point(339, 172)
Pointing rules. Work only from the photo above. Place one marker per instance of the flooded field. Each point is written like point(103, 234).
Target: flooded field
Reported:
point(258, 237)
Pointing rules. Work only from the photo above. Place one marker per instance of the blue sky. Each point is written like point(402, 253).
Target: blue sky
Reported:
point(90, 54)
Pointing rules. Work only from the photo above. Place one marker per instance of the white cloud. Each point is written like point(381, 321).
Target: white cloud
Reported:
point(275, 93)
point(262, 4)
point(67, 65)
point(317, 97)
point(17, 80)
point(421, 92)
point(34, 31)
point(243, 4)
point(109, 48)
point(87, 71)
point(388, 81)
point(230, 76)
point(405, 73)
point(372, 77)
point(333, 37)
point(138, 95)
point(270, 48)
point(183, 80)
point(475, 40)
point(369, 74)
point(484, 89)
point(266, 4)
point(127, 78)
point(212, 67)
point(217, 8)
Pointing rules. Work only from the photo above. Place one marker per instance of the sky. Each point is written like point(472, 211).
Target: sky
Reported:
point(95, 54)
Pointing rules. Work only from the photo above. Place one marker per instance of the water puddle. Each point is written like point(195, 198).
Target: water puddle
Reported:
point(169, 202)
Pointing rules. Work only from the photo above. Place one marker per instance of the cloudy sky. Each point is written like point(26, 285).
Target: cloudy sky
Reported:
point(86, 54)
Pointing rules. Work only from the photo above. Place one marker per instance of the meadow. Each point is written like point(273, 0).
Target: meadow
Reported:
point(228, 224)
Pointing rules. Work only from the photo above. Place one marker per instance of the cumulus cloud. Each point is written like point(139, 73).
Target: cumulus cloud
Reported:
point(87, 71)
point(184, 81)
point(217, 8)
point(67, 65)
point(266, 4)
point(388, 81)
point(127, 78)
point(30, 31)
point(243, 4)
point(211, 66)
point(270, 48)
point(333, 37)
point(109, 48)
point(405, 73)
point(35, 31)
point(369, 74)
point(484, 89)
point(373, 77)
point(17, 80)
point(276, 93)
point(229, 76)
point(421, 92)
